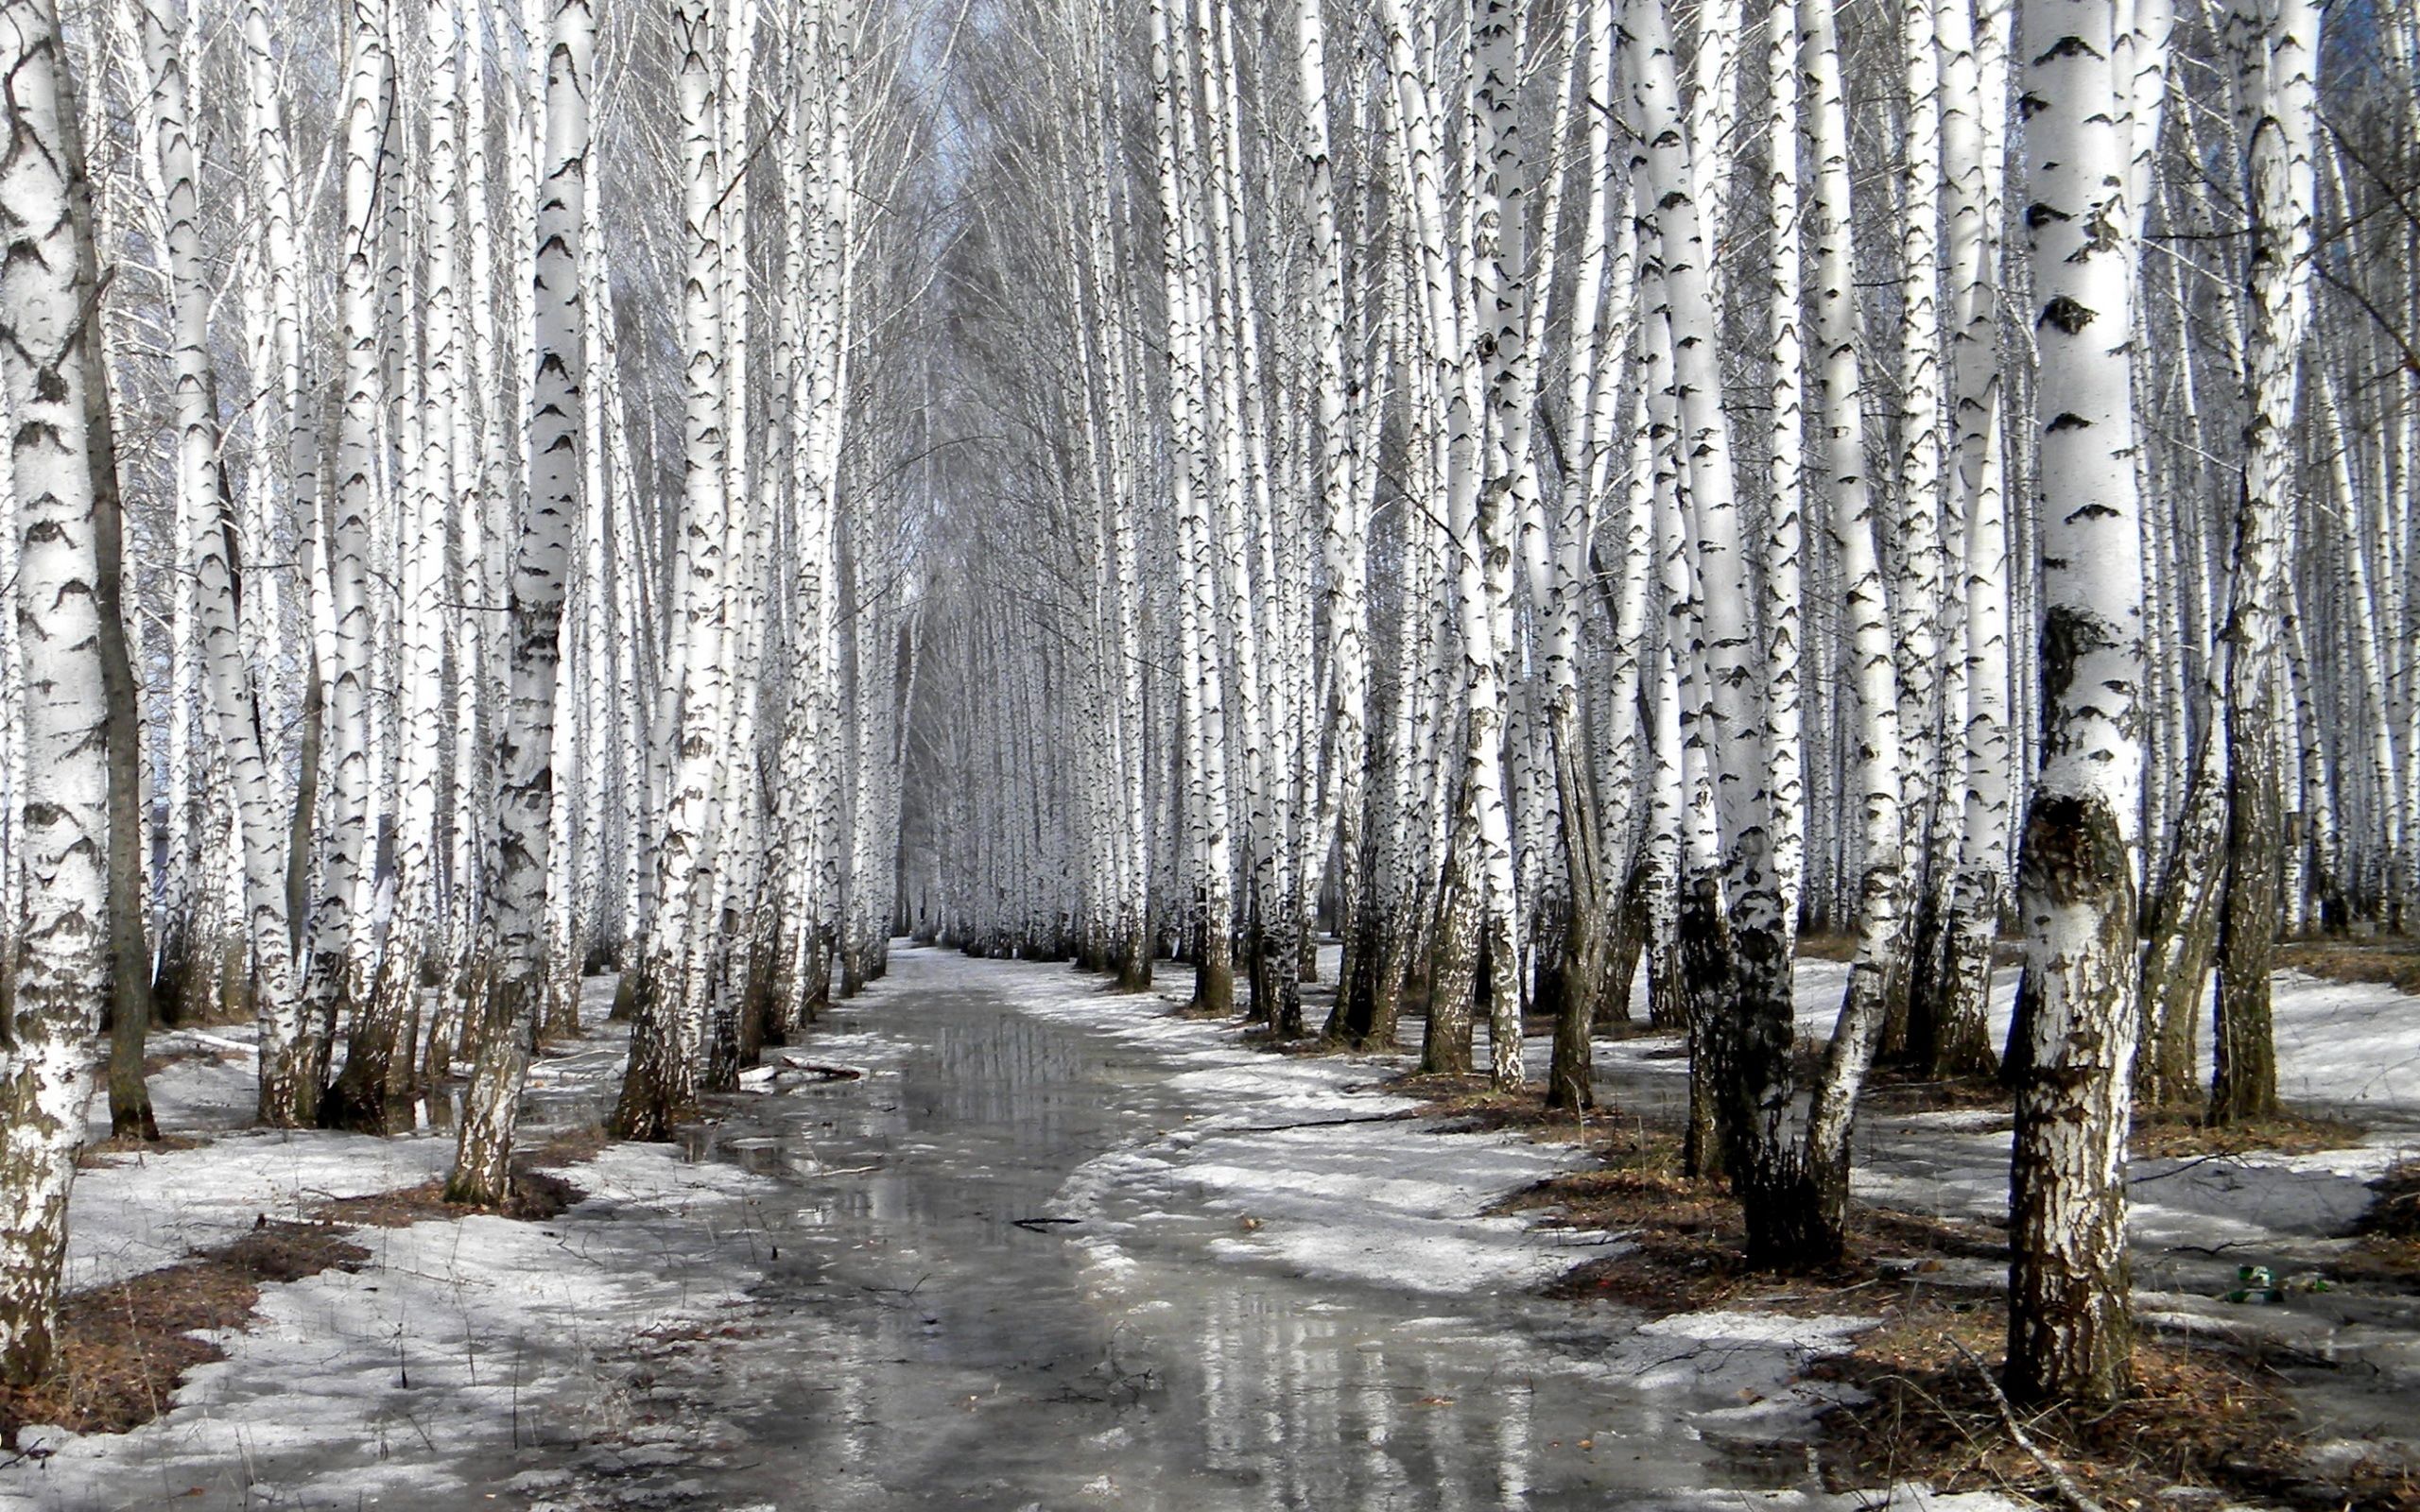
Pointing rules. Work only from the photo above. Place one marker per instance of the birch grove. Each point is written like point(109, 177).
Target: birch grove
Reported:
point(1577, 506)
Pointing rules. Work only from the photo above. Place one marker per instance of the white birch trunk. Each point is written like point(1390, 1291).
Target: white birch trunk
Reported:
point(60, 971)
point(660, 1088)
point(340, 915)
point(2077, 885)
point(210, 549)
point(526, 758)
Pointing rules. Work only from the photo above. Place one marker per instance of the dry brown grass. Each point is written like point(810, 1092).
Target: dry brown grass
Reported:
point(2397, 1212)
point(2180, 1134)
point(1471, 1105)
point(117, 1149)
point(568, 1145)
point(2392, 962)
point(159, 1060)
point(1688, 1247)
point(536, 1196)
point(2386, 1248)
point(1306, 1046)
point(1687, 1242)
point(122, 1348)
point(1889, 1090)
point(2196, 1419)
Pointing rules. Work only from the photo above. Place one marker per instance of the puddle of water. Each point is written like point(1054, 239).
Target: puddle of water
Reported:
point(928, 1337)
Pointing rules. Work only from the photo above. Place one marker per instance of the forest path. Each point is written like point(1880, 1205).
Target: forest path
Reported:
point(999, 1284)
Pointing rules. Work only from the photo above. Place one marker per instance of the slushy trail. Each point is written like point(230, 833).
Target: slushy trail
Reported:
point(1000, 1284)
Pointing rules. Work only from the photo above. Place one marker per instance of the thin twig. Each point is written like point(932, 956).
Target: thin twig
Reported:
point(2073, 1494)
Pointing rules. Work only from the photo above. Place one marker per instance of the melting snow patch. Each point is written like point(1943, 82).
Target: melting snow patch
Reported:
point(1727, 1351)
point(460, 1339)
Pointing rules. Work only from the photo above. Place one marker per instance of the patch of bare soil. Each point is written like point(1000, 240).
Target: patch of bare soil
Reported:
point(2392, 962)
point(1471, 1105)
point(2196, 1419)
point(2179, 1134)
point(1689, 1249)
point(568, 1145)
point(2386, 1248)
point(159, 1060)
point(537, 1195)
point(122, 1348)
point(1826, 946)
point(1313, 1045)
point(1889, 1090)
point(2396, 1215)
point(118, 1147)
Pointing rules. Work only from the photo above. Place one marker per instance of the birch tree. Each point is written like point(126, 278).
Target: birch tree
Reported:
point(482, 1162)
point(2276, 63)
point(2077, 882)
point(58, 411)
point(660, 1087)
point(215, 556)
point(334, 981)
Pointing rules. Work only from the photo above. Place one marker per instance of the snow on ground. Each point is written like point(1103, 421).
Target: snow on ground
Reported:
point(1397, 1204)
point(139, 1212)
point(418, 1376)
point(2349, 1051)
point(1302, 1152)
point(2346, 1048)
point(212, 1081)
point(2354, 1046)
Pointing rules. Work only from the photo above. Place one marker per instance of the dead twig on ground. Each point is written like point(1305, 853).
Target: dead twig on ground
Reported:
point(2073, 1494)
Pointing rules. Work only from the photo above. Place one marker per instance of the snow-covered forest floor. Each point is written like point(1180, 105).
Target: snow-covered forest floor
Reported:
point(1061, 1248)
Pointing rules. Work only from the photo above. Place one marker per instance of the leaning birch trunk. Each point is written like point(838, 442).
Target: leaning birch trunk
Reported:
point(1973, 106)
point(415, 922)
point(2068, 1321)
point(135, 971)
point(1784, 544)
point(1917, 611)
point(1462, 885)
point(1807, 1206)
point(260, 822)
point(2277, 59)
point(1498, 326)
point(1226, 321)
point(290, 449)
point(524, 800)
point(130, 957)
point(1214, 965)
point(61, 971)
